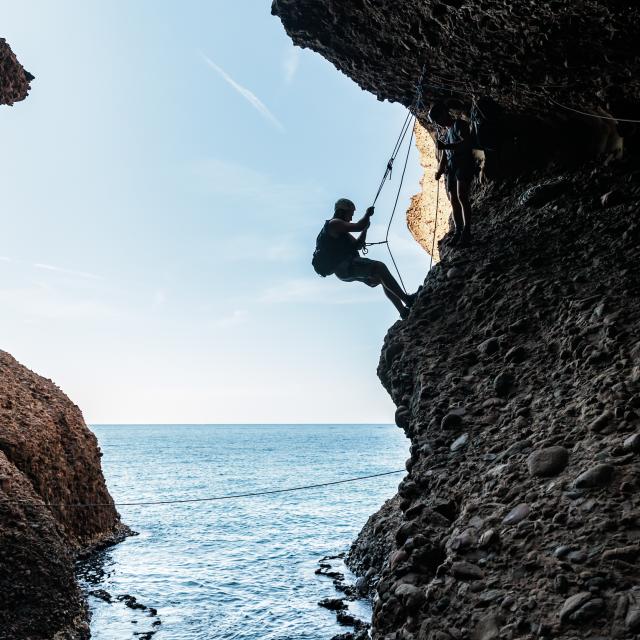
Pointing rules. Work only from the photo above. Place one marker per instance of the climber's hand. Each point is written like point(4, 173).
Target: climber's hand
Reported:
point(369, 212)
point(438, 175)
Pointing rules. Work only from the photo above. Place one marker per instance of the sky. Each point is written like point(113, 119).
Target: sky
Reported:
point(163, 185)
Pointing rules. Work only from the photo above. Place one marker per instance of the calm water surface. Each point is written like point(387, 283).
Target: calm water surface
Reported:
point(244, 568)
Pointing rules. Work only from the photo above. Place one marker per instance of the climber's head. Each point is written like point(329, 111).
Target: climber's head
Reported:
point(344, 209)
point(439, 114)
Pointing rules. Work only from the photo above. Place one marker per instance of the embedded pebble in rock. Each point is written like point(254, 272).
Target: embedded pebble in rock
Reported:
point(488, 628)
point(487, 538)
point(460, 442)
point(489, 346)
point(598, 476)
point(599, 423)
point(466, 571)
point(517, 514)
point(402, 417)
point(455, 273)
point(412, 597)
point(548, 462)
point(516, 354)
point(451, 421)
point(632, 443)
point(503, 383)
point(572, 604)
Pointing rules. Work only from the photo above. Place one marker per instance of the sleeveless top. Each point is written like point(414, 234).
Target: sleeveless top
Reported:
point(340, 248)
point(462, 155)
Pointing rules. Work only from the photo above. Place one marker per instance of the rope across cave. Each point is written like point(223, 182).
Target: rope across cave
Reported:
point(230, 496)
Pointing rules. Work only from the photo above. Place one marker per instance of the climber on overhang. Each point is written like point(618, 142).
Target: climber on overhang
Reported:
point(337, 253)
point(458, 165)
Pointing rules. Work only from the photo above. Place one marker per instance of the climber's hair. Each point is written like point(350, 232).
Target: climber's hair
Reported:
point(439, 111)
point(344, 204)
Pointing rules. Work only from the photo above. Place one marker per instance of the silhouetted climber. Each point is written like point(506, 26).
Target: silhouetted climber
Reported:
point(337, 253)
point(458, 164)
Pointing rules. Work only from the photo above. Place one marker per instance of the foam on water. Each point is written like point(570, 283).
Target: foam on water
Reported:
point(241, 569)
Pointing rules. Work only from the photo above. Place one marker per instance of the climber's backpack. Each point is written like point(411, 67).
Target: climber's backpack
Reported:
point(323, 261)
point(486, 124)
point(330, 252)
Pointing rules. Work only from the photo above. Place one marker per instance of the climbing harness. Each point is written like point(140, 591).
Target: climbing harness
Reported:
point(409, 123)
point(214, 498)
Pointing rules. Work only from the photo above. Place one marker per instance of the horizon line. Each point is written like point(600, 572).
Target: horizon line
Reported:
point(232, 424)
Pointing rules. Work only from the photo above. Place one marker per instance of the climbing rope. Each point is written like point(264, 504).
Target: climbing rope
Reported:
point(230, 496)
point(409, 123)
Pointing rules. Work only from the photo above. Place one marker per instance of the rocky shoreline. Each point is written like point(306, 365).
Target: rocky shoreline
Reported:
point(91, 573)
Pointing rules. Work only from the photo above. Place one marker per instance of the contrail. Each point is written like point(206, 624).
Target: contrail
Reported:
point(248, 95)
point(70, 272)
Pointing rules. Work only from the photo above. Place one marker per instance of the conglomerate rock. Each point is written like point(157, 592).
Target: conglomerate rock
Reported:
point(49, 461)
point(520, 518)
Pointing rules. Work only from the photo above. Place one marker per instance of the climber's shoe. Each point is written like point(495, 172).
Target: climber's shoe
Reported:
point(455, 239)
point(404, 314)
point(412, 297)
point(465, 241)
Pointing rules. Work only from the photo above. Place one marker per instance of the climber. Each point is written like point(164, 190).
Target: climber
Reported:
point(458, 164)
point(337, 253)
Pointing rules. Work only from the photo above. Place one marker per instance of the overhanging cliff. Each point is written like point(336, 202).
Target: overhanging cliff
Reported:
point(517, 374)
point(582, 54)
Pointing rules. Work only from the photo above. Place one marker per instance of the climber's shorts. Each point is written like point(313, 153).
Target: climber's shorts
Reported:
point(463, 173)
point(358, 270)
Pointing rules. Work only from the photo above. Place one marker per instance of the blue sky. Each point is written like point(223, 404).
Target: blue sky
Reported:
point(162, 188)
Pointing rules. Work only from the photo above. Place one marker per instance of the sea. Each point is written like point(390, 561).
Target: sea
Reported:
point(238, 568)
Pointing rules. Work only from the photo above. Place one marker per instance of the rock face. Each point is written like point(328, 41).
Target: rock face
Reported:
point(48, 461)
point(14, 79)
point(583, 54)
point(531, 529)
point(517, 373)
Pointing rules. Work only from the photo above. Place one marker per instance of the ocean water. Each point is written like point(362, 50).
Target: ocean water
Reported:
point(240, 569)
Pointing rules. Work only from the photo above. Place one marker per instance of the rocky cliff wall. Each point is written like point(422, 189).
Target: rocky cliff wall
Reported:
point(517, 374)
point(517, 379)
point(48, 460)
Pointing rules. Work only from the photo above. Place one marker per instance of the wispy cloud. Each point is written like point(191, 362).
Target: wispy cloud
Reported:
point(247, 94)
point(159, 298)
point(40, 302)
point(249, 186)
point(320, 291)
point(290, 64)
point(284, 251)
point(68, 272)
point(236, 317)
